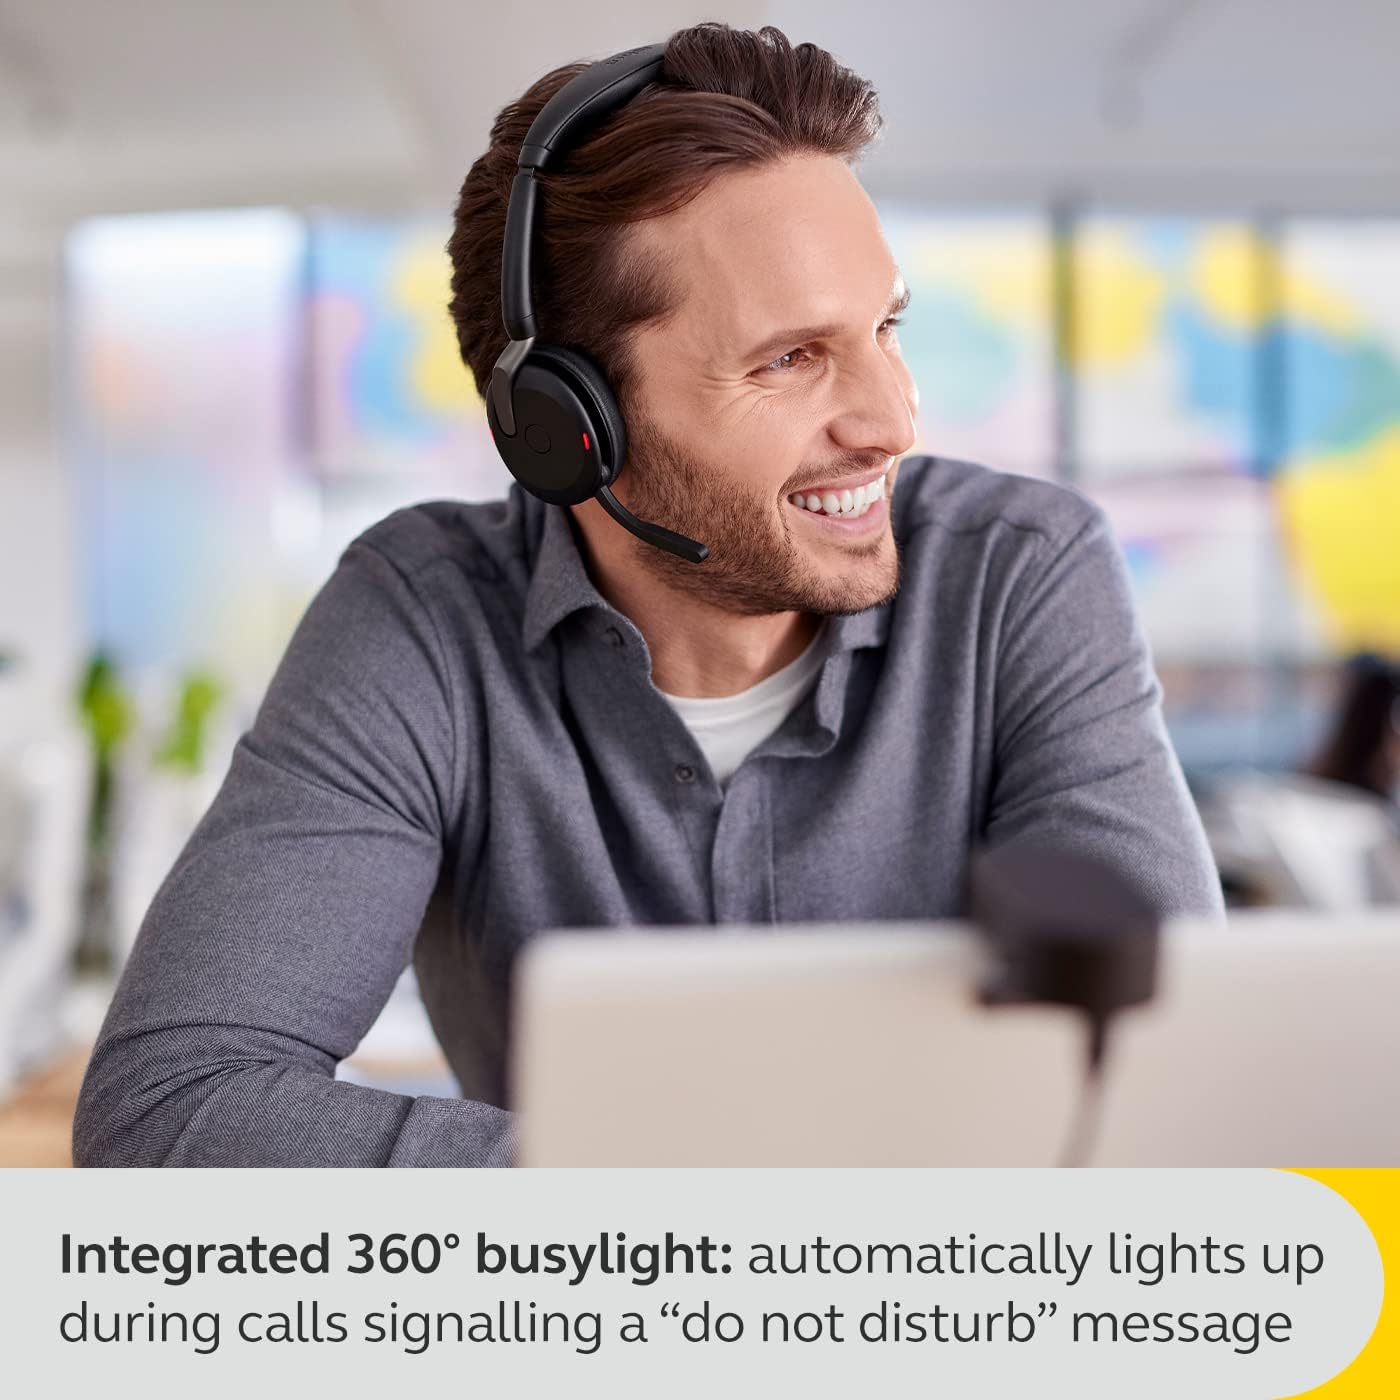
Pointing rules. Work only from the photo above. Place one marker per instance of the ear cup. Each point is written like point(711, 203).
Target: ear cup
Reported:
point(569, 437)
point(591, 385)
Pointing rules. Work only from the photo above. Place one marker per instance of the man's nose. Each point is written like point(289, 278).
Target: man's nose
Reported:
point(877, 403)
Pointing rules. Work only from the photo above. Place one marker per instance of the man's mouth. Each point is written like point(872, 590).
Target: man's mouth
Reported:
point(845, 505)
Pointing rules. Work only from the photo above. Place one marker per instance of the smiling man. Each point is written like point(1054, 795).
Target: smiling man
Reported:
point(502, 718)
point(776, 373)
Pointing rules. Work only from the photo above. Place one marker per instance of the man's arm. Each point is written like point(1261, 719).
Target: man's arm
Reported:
point(1083, 756)
point(281, 930)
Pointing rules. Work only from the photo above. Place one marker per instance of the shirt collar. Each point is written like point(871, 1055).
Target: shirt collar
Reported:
point(559, 584)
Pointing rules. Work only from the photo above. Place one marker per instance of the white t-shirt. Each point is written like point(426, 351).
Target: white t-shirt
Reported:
point(729, 727)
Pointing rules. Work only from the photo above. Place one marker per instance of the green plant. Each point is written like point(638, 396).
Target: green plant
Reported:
point(183, 747)
point(108, 716)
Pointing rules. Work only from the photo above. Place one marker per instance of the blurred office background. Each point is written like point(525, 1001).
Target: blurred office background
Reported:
point(1154, 247)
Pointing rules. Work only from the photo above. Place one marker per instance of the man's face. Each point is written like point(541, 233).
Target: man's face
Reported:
point(778, 377)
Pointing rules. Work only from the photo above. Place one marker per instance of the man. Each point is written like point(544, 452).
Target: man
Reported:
point(502, 718)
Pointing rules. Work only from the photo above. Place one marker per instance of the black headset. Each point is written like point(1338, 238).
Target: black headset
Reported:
point(552, 416)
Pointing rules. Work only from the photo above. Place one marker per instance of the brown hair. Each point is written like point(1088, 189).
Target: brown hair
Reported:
point(727, 98)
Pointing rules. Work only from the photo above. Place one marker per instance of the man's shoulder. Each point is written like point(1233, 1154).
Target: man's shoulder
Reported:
point(962, 497)
point(481, 538)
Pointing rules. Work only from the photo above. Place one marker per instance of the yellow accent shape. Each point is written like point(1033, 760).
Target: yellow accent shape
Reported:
point(422, 286)
point(1225, 276)
point(1119, 302)
point(1341, 515)
point(1375, 1194)
point(1234, 271)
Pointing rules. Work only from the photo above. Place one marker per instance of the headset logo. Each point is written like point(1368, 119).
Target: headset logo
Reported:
point(621, 57)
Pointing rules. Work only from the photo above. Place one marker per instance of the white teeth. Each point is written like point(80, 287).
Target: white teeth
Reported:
point(849, 505)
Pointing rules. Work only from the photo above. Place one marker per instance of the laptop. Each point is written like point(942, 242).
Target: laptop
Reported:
point(1272, 1042)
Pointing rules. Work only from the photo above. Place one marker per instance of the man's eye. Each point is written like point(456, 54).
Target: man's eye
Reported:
point(790, 360)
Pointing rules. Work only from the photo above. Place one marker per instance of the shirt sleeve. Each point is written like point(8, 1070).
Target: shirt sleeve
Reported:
point(283, 926)
point(1083, 758)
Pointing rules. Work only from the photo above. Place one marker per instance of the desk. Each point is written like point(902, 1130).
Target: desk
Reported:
point(36, 1121)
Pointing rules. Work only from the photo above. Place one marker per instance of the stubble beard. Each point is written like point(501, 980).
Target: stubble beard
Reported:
point(756, 566)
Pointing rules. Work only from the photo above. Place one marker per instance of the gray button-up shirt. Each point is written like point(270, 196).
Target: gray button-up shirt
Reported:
point(463, 747)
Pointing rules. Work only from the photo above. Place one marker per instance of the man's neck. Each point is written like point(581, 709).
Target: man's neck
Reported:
point(696, 648)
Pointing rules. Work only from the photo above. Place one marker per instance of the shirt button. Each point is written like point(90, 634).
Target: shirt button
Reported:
point(613, 637)
point(684, 773)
